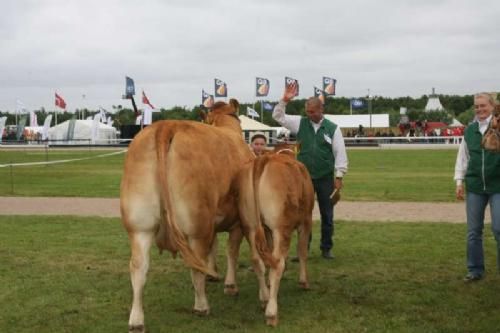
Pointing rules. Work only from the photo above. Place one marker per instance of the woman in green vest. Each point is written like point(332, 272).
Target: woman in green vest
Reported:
point(480, 170)
point(322, 151)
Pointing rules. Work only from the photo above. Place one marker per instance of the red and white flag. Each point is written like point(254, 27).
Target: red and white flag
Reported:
point(146, 101)
point(60, 102)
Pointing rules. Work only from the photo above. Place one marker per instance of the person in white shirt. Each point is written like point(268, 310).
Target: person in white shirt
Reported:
point(480, 170)
point(322, 150)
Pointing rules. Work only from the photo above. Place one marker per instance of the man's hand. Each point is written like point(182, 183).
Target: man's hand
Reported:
point(338, 183)
point(460, 192)
point(290, 92)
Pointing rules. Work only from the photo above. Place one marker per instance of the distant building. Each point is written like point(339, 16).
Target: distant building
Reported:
point(433, 104)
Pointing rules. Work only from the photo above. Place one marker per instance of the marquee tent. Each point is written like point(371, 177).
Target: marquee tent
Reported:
point(95, 132)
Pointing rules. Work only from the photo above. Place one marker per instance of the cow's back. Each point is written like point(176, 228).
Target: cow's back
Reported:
point(200, 164)
point(285, 190)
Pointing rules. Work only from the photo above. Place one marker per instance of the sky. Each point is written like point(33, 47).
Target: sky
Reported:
point(175, 48)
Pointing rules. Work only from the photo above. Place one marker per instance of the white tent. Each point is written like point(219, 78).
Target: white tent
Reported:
point(433, 103)
point(352, 121)
point(84, 131)
point(251, 127)
point(248, 124)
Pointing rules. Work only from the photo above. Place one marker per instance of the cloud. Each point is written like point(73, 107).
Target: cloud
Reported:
point(175, 49)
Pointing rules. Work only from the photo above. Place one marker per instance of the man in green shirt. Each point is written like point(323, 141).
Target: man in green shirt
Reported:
point(322, 150)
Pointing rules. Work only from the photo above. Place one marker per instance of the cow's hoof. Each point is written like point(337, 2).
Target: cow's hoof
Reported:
point(304, 285)
point(231, 290)
point(136, 329)
point(211, 278)
point(272, 321)
point(201, 313)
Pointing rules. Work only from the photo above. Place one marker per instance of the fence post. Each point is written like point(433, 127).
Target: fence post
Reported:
point(11, 179)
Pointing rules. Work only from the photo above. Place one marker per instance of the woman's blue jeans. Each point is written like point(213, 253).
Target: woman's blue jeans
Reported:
point(475, 208)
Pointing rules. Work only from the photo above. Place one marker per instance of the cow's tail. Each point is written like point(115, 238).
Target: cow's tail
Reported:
point(263, 247)
point(176, 238)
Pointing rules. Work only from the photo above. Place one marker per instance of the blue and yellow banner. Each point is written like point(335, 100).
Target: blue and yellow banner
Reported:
point(329, 85)
point(320, 94)
point(207, 100)
point(261, 87)
point(220, 88)
point(129, 87)
point(289, 81)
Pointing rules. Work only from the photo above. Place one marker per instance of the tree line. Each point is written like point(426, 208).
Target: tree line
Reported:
point(460, 107)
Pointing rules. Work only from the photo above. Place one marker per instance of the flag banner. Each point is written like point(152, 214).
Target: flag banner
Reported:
point(357, 103)
point(46, 125)
point(20, 108)
point(60, 102)
point(20, 127)
point(207, 100)
point(3, 120)
point(71, 129)
point(252, 113)
point(289, 81)
point(329, 85)
point(261, 87)
point(94, 130)
point(102, 114)
point(320, 94)
point(145, 100)
point(33, 119)
point(268, 106)
point(129, 87)
point(147, 115)
point(220, 88)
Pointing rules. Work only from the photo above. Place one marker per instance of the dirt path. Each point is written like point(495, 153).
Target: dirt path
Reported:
point(345, 210)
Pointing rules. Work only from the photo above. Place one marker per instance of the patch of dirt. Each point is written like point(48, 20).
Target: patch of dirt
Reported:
point(345, 210)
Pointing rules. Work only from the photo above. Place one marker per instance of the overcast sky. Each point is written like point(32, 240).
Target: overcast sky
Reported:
point(175, 48)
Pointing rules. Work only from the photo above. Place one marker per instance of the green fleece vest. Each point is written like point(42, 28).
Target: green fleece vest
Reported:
point(316, 148)
point(483, 169)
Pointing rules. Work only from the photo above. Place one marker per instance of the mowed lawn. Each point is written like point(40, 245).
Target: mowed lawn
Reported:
point(374, 175)
point(69, 274)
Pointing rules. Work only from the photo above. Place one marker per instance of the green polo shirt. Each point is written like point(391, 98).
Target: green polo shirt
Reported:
point(316, 148)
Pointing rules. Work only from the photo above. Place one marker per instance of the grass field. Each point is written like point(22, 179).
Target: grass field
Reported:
point(374, 175)
point(64, 274)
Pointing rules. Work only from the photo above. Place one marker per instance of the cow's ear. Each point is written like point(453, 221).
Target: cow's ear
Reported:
point(203, 116)
point(235, 104)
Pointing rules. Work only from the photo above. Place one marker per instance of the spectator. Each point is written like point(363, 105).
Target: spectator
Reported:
point(322, 150)
point(258, 143)
point(480, 169)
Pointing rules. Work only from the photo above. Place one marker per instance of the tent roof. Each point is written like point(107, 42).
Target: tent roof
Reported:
point(433, 104)
point(354, 120)
point(253, 125)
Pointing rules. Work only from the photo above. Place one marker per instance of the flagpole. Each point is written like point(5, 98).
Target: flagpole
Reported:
point(261, 111)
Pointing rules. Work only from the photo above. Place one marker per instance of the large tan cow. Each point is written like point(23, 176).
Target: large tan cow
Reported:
point(176, 191)
point(276, 193)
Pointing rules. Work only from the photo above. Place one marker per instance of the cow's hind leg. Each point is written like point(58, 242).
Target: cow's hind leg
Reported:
point(259, 269)
point(140, 244)
point(201, 249)
point(280, 251)
point(212, 262)
point(304, 233)
point(233, 251)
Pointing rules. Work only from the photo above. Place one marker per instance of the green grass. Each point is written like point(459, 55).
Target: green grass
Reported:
point(95, 177)
point(68, 274)
point(374, 175)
